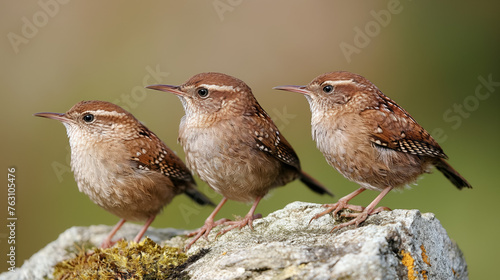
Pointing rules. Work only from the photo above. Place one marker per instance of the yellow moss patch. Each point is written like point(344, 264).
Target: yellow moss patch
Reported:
point(425, 258)
point(144, 260)
point(409, 262)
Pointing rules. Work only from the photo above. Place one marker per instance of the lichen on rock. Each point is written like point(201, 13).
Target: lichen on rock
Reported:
point(125, 260)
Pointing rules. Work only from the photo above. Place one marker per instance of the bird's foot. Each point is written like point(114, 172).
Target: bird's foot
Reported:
point(359, 209)
point(247, 220)
point(204, 231)
point(359, 217)
point(335, 208)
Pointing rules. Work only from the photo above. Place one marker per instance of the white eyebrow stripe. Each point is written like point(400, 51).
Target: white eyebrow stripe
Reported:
point(217, 87)
point(105, 113)
point(339, 82)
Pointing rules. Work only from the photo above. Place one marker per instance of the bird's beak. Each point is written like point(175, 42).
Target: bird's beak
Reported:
point(55, 116)
point(299, 89)
point(168, 88)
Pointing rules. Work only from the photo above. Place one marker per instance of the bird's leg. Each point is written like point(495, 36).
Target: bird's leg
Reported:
point(144, 228)
point(209, 224)
point(340, 204)
point(361, 217)
point(107, 243)
point(248, 220)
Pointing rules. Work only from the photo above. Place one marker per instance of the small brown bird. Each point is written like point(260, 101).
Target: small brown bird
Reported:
point(369, 139)
point(121, 165)
point(233, 145)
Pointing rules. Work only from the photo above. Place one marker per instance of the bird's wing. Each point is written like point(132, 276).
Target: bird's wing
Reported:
point(163, 159)
point(394, 128)
point(268, 138)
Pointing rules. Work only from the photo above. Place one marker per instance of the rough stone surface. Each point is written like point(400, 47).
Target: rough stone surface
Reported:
point(41, 264)
point(399, 244)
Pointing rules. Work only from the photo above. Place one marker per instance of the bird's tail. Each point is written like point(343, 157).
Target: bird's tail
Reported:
point(314, 184)
point(452, 175)
point(198, 197)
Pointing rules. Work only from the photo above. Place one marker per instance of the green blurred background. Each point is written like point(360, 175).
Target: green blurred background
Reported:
point(428, 56)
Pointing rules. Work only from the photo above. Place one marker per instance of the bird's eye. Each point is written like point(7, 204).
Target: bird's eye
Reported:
point(328, 88)
point(202, 92)
point(88, 118)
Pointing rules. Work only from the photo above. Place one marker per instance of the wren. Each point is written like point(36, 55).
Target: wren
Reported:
point(121, 165)
point(369, 139)
point(233, 145)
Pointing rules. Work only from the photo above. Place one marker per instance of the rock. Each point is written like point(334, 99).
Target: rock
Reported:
point(402, 244)
point(41, 264)
point(390, 245)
